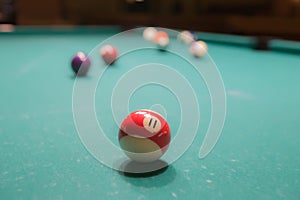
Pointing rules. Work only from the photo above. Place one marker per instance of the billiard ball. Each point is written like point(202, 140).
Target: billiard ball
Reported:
point(80, 64)
point(144, 136)
point(149, 33)
point(162, 43)
point(109, 54)
point(186, 36)
point(198, 48)
point(158, 35)
point(161, 39)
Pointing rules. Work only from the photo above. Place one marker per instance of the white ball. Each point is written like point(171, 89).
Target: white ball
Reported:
point(198, 48)
point(149, 33)
point(186, 37)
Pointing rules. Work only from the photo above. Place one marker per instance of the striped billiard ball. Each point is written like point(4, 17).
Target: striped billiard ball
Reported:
point(144, 136)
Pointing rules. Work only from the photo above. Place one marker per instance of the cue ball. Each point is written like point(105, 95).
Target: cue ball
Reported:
point(198, 48)
point(109, 54)
point(80, 64)
point(144, 136)
point(149, 33)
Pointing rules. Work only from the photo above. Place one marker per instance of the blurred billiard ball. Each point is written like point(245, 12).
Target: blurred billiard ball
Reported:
point(80, 64)
point(161, 39)
point(149, 33)
point(198, 48)
point(186, 37)
point(109, 54)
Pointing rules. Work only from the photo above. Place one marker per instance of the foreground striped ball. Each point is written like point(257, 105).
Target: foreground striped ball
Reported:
point(144, 136)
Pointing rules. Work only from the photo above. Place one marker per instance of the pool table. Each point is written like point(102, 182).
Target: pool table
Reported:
point(46, 154)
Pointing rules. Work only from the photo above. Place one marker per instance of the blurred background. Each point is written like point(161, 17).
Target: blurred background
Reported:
point(279, 18)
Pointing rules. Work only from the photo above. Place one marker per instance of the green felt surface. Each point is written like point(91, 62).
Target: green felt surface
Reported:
point(42, 157)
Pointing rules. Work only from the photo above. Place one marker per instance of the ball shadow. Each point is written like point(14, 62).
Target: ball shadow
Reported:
point(135, 169)
point(154, 174)
point(74, 76)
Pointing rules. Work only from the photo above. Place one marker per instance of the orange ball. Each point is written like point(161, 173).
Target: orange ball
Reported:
point(158, 35)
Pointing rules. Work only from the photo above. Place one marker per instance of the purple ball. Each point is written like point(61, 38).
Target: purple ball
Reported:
point(81, 64)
